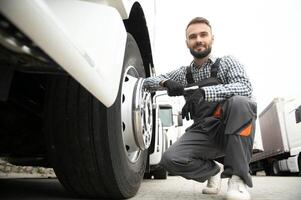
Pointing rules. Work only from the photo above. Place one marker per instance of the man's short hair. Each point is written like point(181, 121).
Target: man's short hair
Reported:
point(197, 20)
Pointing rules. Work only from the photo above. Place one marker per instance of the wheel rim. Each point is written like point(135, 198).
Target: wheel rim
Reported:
point(136, 115)
point(275, 167)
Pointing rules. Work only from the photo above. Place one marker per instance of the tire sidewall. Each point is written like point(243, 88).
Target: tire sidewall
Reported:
point(128, 173)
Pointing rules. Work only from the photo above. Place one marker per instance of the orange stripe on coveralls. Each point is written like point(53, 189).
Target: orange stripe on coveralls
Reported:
point(246, 131)
point(218, 112)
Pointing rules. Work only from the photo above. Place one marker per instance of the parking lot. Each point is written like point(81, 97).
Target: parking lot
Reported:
point(36, 186)
point(265, 188)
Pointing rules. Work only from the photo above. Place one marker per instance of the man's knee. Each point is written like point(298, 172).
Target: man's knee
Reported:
point(172, 160)
point(166, 158)
point(242, 102)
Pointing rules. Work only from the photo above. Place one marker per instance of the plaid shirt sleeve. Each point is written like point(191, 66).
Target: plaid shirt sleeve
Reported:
point(234, 81)
point(153, 83)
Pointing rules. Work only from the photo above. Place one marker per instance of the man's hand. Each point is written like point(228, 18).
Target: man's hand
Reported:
point(194, 100)
point(187, 110)
point(173, 88)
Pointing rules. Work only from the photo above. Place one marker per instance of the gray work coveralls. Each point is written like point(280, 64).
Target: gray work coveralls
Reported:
point(220, 129)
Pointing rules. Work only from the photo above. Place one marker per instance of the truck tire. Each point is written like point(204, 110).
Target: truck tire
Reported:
point(275, 168)
point(85, 139)
point(271, 168)
point(160, 173)
point(267, 168)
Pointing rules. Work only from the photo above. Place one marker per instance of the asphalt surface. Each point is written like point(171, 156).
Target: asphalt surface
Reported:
point(174, 188)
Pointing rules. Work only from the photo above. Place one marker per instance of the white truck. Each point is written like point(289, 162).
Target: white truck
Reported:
point(168, 131)
point(281, 138)
point(71, 93)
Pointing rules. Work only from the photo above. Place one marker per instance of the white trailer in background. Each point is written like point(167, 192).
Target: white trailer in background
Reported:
point(281, 138)
point(168, 130)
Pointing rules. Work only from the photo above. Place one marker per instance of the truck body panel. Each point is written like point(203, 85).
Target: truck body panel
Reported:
point(293, 129)
point(91, 53)
point(281, 136)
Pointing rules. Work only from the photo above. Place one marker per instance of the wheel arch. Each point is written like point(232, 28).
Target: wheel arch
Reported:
point(141, 35)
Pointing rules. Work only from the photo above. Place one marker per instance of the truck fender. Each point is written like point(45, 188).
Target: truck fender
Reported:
point(86, 39)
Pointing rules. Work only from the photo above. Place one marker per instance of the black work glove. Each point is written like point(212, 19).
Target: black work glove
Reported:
point(189, 108)
point(173, 88)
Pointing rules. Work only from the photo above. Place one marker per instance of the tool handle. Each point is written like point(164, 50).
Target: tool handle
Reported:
point(190, 90)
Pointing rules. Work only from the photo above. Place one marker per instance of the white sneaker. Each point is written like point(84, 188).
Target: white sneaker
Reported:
point(237, 189)
point(214, 182)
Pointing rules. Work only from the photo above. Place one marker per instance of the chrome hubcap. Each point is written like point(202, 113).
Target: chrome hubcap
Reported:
point(136, 115)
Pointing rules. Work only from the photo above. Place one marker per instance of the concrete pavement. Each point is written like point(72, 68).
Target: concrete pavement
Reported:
point(177, 188)
point(174, 188)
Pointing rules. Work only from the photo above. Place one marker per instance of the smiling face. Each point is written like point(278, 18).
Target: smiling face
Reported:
point(199, 40)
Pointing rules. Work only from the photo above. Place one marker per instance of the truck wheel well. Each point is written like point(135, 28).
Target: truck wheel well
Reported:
point(141, 35)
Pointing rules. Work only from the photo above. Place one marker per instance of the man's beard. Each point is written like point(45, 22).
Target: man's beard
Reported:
point(201, 54)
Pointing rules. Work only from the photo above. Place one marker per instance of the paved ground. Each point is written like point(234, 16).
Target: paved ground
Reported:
point(265, 188)
point(19, 187)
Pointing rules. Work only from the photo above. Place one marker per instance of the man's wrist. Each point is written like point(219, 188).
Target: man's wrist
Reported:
point(162, 83)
